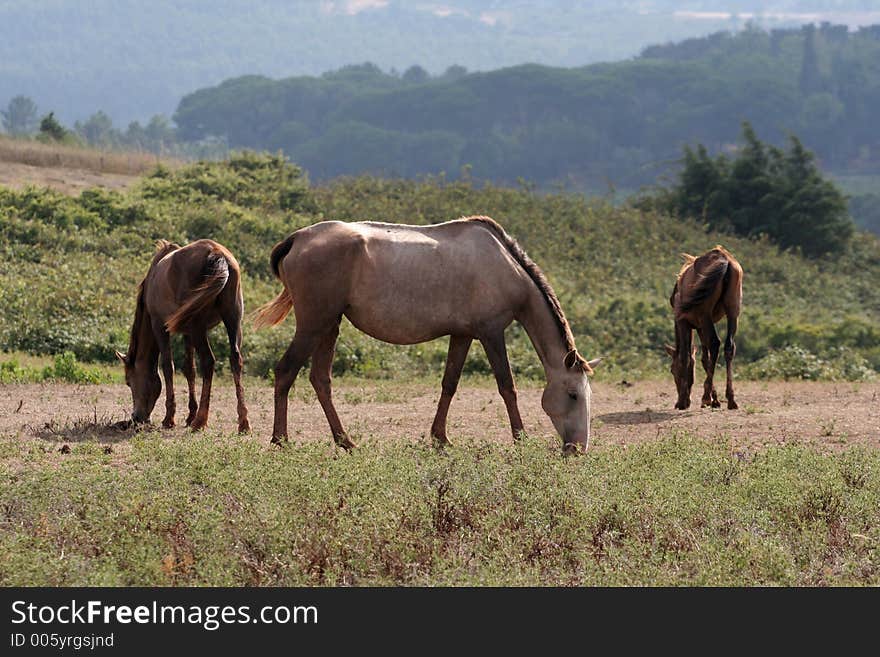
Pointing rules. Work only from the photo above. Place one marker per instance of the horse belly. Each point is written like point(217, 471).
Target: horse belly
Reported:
point(412, 311)
point(399, 323)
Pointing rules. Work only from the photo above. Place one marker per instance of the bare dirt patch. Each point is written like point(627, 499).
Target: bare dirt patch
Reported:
point(66, 180)
point(829, 415)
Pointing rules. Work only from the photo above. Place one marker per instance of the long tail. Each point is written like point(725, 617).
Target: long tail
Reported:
point(275, 311)
point(217, 275)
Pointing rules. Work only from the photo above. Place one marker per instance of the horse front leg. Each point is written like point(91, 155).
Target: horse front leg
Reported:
point(711, 345)
point(233, 331)
point(166, 362)
point(189, 371)
point(729, 353)
point(320, 377)
point(496, 352)
point(206, 366)
point(455, 358)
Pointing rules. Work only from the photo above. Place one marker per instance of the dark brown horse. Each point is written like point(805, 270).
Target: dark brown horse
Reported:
point(187, 290)
point(408, 284)
point(707, 289)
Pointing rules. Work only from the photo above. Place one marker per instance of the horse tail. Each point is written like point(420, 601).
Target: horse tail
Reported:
point(274, 312)
point(216, 273)
point(278, 252)
point(707, 282)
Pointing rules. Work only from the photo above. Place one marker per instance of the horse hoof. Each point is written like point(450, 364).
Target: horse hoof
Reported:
point(244, 427)
point(716, 403)
point(344, 442)
point(732, 406)
point(570, 449)
point(198, 425)
point(440, 442)
point(278, 441)
point(167, 424)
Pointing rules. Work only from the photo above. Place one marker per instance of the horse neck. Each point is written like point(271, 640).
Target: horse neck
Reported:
point(143, 347)
point(543, 330)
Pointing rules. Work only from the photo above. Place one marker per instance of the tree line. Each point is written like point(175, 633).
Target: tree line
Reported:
point(621, 124)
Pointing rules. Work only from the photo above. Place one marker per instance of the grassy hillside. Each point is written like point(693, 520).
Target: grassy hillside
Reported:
point(69, 268)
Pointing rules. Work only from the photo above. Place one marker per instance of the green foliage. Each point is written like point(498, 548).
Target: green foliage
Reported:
point(50, 129)
point(583, 127)
point(65, 368)
point(20, 116)
point(70, 267)
point(761, 191)
point(221, 511)
point(795, 362)
point(11, 371)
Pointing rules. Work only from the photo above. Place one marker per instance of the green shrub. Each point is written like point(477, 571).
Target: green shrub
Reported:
point(65, 368)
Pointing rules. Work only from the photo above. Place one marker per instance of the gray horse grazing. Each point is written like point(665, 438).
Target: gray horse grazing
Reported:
point(408, 284)
point(187, 290)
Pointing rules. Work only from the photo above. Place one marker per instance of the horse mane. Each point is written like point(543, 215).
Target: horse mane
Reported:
point(706, 282)
point(539, 279)
point(163, 248)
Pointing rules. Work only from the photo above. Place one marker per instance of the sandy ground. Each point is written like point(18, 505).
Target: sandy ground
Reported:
point(829, 415)
point(63, 179)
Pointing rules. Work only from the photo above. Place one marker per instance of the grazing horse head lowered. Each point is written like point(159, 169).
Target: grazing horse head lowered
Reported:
point(707, 288)
point(187, 290)
point(404, 284)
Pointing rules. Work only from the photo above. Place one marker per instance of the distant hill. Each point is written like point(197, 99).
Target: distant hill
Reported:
point(133, 59)
point(594, 127)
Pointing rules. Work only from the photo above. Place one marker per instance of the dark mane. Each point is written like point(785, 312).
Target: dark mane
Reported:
point(163, 248)
point(716, 262)
point(537, 277)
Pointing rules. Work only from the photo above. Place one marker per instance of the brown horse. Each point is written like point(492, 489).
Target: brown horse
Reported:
point(707, 289)
point(187, 290)
point(408, 284)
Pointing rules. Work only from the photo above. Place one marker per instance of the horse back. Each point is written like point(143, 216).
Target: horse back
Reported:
point(401, 283)
point(180, 274)
point(709, 285)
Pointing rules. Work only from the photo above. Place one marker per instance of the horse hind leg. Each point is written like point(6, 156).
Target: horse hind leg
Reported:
point(206, 365)
point(189, 371)
point(455, 358)
point(729, 353)
point(232, 322)
point(711, 345)
point(286, 370)
point(320, 376)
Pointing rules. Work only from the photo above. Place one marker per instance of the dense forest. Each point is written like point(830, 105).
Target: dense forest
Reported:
point(619, 124)
point(134, 59)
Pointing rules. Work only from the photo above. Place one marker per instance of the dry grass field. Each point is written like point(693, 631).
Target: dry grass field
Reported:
point(70, 169)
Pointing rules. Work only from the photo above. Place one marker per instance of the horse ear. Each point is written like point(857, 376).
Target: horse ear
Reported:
point(122, 358)
point(669, 349)
point(594, 362)
point(571, 358)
